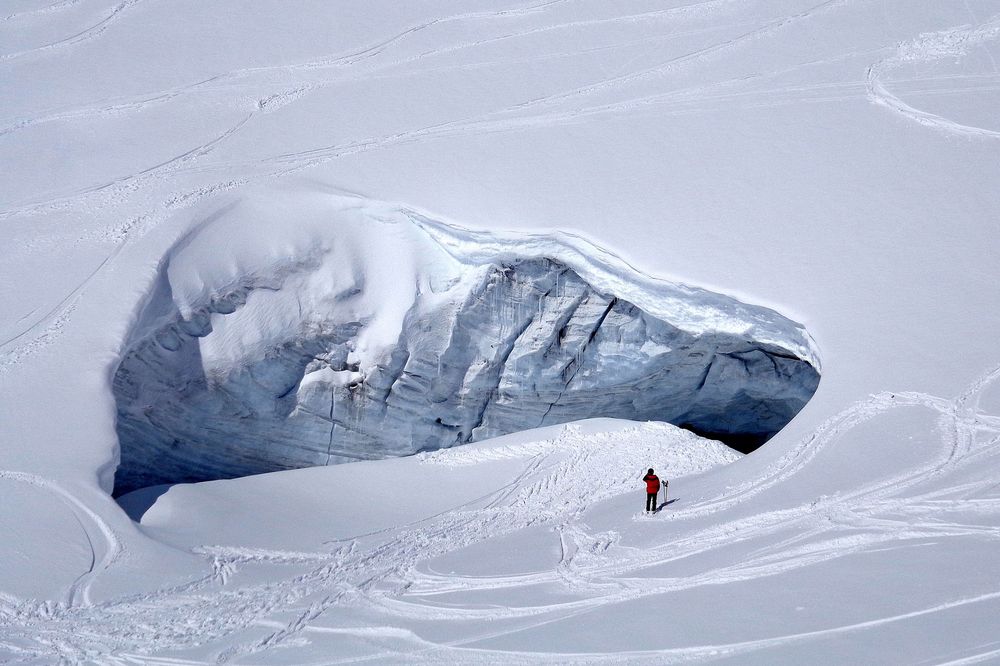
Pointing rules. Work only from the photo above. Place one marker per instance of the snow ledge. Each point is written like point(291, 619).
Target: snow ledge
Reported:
point(292, 330)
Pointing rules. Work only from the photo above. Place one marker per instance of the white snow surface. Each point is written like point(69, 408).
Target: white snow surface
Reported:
point(834, 161)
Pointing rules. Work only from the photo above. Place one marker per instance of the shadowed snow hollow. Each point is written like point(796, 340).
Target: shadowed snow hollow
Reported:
point(310, 330)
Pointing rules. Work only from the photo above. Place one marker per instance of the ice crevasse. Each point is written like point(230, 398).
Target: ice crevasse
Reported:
point(298, 329)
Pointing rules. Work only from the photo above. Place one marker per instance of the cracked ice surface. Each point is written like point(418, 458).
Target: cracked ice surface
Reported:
point(332, 329)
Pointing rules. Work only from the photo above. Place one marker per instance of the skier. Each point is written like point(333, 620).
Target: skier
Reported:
point(652, 490)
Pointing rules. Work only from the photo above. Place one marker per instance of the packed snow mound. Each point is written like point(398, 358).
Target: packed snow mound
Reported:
point(335, 329)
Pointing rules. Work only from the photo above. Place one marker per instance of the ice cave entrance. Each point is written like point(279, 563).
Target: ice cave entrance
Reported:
point(276, 370)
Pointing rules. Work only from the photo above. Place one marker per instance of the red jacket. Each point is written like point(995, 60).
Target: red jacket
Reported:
point(652, 483)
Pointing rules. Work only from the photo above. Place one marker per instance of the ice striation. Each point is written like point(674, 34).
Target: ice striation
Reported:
point(299, 363)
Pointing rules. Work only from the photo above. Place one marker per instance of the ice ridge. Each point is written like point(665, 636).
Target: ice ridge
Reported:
point(379, 332)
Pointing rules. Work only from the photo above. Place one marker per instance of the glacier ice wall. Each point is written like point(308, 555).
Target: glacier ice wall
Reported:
point(364, 331)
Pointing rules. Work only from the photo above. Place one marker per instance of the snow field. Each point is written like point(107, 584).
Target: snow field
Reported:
point(833, 160)
point(557, 479)
point(546, 506)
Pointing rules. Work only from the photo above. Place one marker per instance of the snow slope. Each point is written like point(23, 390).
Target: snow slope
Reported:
point(834, 161)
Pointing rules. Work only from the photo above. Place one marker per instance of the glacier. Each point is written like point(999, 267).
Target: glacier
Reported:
point(326, 353)
point(834, 161)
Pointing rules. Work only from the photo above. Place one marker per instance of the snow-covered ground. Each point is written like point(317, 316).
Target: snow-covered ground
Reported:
point(833, 163)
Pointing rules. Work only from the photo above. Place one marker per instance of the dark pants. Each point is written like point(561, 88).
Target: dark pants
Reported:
point(651, 501)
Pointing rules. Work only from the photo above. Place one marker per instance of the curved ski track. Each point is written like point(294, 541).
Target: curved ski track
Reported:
point(105, 547)
point(84, 35)
point(953, 43)
point(277, 86)
point(561, 480)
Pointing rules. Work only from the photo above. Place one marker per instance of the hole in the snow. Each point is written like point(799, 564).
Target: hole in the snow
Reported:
point(339, 353)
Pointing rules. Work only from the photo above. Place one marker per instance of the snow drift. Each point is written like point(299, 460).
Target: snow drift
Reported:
point(342, 330)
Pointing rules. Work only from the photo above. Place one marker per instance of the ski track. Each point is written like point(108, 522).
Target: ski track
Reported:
point(113, 194)
point(105, 546)
point(222, 81)
point(498, 120)
point(13, 349)
point(10, 359)
point(491, 121)
point(54, 7)
point(926, 48)
point(561, 479)
point(115, 188)
point(297, 87)
point(84, 35)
